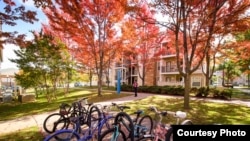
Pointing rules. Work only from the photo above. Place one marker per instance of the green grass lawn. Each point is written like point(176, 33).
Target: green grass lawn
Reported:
point(17, 109)
point(28, 134)
point(201, 112)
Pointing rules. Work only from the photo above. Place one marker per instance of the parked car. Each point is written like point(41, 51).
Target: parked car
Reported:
point(78, 84)
point(16, 88)
point(228, 85)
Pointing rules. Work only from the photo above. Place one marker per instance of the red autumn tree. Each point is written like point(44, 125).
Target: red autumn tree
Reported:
point(10, 15)
point(91, 25)
point(143, 41)
point(195, 24)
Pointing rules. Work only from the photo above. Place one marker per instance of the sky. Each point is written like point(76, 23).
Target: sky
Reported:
point(21, 27)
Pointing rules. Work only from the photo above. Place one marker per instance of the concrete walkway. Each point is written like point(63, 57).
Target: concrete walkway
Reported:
point(37, 120)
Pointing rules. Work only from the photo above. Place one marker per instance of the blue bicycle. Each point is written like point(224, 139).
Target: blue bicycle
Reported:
point(143, 124)
point(126, 128)
point(96, 125)
point(123, 129)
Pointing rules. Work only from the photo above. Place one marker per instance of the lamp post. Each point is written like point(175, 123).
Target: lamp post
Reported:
point(10, 81)
point(119, 81)
point(7, 80)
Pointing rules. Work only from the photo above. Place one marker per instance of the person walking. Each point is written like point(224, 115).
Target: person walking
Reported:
point(135, 86)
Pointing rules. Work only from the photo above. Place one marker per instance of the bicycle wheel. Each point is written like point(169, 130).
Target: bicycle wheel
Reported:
point(169, 135)
point(126, 124)
point(94, 116)
point(187, 122)
point(54, 122)
point(146, 138)
point(146, 125)
point(63, 135)
point(83, 113)
point(107, 125)
point(108, 134)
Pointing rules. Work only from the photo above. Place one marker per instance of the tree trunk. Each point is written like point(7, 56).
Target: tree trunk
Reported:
point(36, 92)
point(155, 74)
point(187, 82)
point(207, 72)
point(99, 84)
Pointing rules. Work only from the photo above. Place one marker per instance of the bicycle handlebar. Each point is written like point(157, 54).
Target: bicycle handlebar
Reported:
point(64, 105)
point(177, 114)
point(85, 98)
point(121, 108)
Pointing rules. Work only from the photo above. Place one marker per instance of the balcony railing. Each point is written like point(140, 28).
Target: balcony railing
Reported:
point(168, 53)
point(165, 69)
point(131, 73)
point(118, 65)
point(164, 83)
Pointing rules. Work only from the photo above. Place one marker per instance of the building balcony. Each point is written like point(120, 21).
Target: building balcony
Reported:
point(165, 69)
point(132, 73)
point(165, 83)
point(168, 55)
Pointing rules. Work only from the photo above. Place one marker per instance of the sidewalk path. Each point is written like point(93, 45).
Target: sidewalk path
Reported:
point(37, 120)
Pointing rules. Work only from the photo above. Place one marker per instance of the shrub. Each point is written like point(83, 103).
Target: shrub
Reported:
point(194, 90)
point(154, 89)
point(164, 90)
point(126, 87)
point(215, 92)
point(226, 94)
point(202, 92)
point(178, 90)
point(143, 89)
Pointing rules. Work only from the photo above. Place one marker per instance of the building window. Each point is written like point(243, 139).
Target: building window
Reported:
point(168, 65)
point(196, 81)
point(168, 79)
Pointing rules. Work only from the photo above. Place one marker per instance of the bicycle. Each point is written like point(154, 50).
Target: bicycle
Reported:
point(58, 120)
point(141, 125)
point(76, 133)
point(108, 124)
point(163, 132)
point(61, 120)
point(117, 133)
point(96, 125)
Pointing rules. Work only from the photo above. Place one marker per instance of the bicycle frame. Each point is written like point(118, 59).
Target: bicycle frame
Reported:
point(160, 129)
point(115, 135)
point(140, 128)
point(88, 134)
point(137, 128)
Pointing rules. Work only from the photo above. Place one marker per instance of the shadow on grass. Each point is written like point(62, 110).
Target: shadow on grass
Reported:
point(28, 134)
point(201, 112)
point(16, 109)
